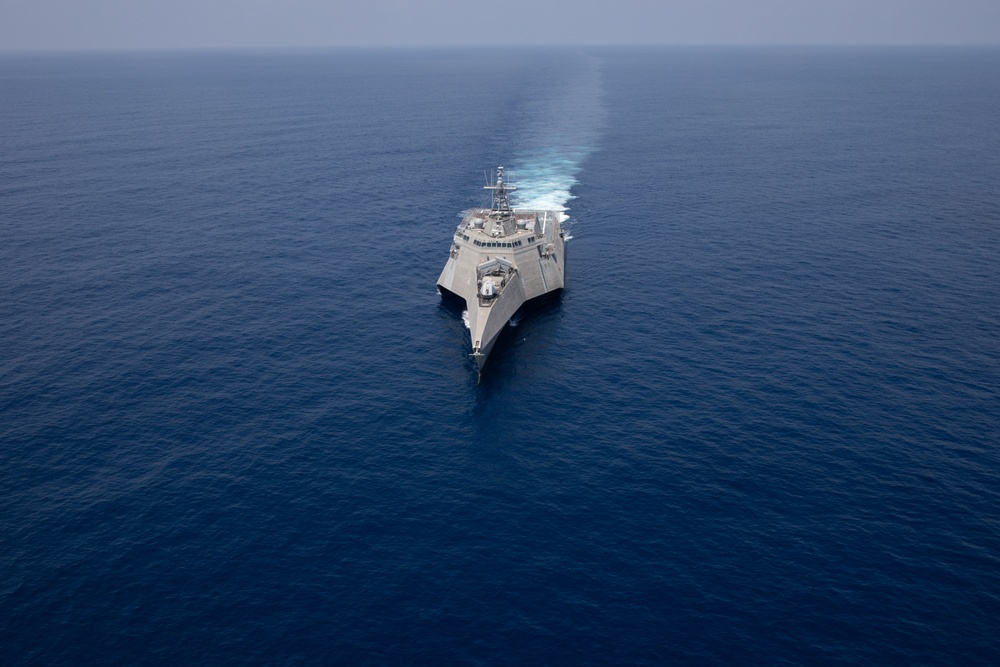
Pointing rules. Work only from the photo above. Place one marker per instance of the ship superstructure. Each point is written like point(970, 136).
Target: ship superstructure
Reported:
point(500, 258)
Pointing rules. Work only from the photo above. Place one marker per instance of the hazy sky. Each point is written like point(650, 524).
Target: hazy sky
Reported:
point(139, 24)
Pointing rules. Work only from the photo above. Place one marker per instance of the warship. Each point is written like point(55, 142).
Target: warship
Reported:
point(501, 258)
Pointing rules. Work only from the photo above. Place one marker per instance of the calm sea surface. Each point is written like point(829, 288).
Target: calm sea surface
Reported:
point(761, 426)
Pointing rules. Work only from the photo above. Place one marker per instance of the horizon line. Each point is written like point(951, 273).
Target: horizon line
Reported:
point(488, 46)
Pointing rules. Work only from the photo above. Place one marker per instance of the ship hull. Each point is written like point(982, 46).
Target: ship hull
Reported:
point(529, 262)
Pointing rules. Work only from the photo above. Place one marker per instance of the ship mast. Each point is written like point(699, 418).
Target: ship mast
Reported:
point(500, 189)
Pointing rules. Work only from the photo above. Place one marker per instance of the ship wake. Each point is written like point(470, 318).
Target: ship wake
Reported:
point(563, 129)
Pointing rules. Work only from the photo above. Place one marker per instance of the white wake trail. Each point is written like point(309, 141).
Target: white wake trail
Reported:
point(565, 128)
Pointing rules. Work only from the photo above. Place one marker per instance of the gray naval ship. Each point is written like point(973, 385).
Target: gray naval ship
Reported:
point(500, 258)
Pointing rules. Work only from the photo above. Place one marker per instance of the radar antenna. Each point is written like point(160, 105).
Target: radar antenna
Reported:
point(500, 190)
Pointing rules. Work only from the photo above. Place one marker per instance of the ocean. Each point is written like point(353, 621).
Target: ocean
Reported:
point(760, 426)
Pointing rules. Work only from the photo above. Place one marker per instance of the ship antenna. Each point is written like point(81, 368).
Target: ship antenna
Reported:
point(500, 190)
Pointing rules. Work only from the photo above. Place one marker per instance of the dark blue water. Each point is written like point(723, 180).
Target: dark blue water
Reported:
point(761, 426)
